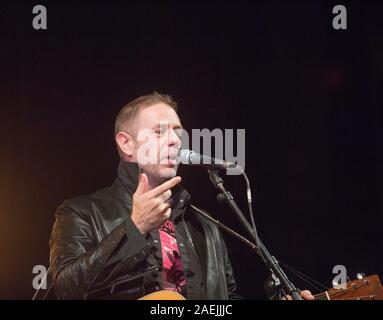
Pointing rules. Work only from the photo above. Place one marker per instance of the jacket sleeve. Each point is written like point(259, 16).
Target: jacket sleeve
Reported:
point(78, 258)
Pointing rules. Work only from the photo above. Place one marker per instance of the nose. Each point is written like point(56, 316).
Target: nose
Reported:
point(174, 139)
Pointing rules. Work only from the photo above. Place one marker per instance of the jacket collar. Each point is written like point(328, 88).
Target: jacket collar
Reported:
point(128, 173)
point(128, 176)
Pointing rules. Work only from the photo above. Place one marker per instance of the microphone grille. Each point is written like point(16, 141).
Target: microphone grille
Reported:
point(184, 156)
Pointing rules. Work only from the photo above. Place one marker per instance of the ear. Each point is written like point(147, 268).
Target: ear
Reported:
point(126, 144)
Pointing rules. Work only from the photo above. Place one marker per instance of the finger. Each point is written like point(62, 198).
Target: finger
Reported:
point(164, 208)
point(167, 214)
point(142, 185)
point(164, 187)
point(306, 294)
point(166, 196)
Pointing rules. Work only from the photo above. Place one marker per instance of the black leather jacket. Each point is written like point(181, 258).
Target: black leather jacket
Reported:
point(97, 252)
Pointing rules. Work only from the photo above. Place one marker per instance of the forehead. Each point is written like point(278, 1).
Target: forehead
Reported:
point(155, 114)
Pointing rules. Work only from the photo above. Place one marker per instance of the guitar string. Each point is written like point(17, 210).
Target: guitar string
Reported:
point(334, 293)
point(305, 277)
point(326, 294)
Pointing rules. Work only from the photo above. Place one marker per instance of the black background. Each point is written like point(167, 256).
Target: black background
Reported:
point(307, 95)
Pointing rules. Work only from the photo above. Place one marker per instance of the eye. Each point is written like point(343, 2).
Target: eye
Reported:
point(159, 132)
point(178, 132)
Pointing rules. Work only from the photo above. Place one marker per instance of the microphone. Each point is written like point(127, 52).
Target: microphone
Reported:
point(190, 157)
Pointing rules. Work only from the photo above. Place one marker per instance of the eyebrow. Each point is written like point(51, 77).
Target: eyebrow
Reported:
point(158, 126)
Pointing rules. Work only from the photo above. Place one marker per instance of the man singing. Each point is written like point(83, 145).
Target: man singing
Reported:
point(140, 235)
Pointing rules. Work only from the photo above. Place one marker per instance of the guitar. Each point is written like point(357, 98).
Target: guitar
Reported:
point(163, 295)
point(368, 288)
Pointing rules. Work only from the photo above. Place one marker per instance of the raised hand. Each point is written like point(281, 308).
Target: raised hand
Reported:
point(151, 208)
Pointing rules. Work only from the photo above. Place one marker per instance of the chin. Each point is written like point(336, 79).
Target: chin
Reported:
point(168, 173)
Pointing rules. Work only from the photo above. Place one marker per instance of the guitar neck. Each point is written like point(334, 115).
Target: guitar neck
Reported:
point(322, 296)
point(368, 288)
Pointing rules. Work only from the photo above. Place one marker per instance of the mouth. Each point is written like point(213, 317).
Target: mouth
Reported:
point(170, 161)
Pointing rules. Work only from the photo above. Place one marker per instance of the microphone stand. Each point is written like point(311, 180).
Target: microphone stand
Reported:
point(270, 261)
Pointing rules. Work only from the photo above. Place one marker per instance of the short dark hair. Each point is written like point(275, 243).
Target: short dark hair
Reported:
point(129, 112)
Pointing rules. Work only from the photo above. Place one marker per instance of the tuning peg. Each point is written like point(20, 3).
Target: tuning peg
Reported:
point(360, 275)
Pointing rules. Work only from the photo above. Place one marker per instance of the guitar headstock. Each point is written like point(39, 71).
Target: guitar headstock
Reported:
point(368, 288)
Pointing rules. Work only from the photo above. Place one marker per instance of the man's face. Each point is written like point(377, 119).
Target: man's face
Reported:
point(158, 139)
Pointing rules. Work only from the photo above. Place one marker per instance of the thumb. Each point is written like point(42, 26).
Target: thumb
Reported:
point(143, 184)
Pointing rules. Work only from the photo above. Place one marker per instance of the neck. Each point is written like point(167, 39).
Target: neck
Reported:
point(154, 182)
